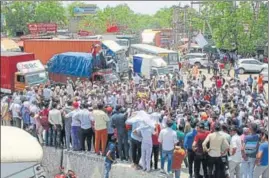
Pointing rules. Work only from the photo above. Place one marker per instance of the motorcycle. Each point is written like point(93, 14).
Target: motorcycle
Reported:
point(69, 174)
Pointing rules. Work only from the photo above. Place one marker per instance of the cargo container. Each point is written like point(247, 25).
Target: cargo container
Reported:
point(45, 49)
point(76, 65)
point(19, 69)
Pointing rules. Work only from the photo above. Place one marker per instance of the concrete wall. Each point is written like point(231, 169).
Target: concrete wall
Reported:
point(88, 165)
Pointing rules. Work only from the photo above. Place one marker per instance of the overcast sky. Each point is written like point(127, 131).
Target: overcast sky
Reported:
point(143, 7)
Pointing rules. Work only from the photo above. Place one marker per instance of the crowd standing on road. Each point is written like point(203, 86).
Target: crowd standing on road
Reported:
point(218, 131)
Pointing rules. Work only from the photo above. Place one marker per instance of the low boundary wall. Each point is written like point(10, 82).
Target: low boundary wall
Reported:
point(88, 165)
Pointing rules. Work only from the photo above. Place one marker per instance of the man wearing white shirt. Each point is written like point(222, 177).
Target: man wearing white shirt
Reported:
point(168, 139)
point(235, 153)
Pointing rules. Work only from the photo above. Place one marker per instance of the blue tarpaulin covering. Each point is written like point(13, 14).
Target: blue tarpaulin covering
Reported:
point(71, 63)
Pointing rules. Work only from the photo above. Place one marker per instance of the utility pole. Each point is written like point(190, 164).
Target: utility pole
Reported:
point(190, 29)
point(178, 27)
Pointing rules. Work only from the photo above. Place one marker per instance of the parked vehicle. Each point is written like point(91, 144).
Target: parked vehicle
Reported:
point(148, 66)
point(74, 65)
point(250, 65)
point(9, 45)
point(19, 70)
point(115, 56)
point(45, 49)
point(21, 154)
point(170, 57)
point(199, 59)
point(105, 76)
point(264, 73)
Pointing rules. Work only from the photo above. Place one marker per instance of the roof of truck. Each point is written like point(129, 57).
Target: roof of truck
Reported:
point(6, 53)
point(18, 145)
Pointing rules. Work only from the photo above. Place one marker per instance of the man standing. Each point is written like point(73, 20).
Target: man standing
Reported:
point(75, 127)
point(261, 168)
point(188, 141)
point(200, 155)
point(250, 81)
point(110, 156)
point(67, 124)
point(146, 148)
point(235, 153)
point(86, 127)
point(101, 119)
point(55, 119)
point(15, 108)
point(136, 143)
point(249, 151)
point(118, 122)
point(216, 143)
point(168, 140)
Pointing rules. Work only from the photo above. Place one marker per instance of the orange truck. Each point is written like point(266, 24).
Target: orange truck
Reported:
point(45, 49)
point(19, 70)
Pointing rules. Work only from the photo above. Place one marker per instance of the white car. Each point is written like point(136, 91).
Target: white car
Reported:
point(199, 59)
point(250, 65)
point(264, 73)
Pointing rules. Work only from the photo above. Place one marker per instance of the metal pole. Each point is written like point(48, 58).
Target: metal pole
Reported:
point(190, 30)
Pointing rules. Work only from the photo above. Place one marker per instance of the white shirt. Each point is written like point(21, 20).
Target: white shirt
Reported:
point(236, 143)
point(168, 139)
point(15, 109)
point(146, 133)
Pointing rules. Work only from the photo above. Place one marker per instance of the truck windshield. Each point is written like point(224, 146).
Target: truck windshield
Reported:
point(122, 42)
point(163, 71)
point(110, 77)
point(36, 78)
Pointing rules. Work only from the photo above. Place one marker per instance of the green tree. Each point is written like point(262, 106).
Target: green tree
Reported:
point(50, 11)
point(17, 15)
point(237, 27)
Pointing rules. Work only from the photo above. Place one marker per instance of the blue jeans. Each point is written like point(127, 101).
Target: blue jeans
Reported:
point(247, 168)
point(177, 173)
point(107, 169)
point(75, 136)
point(169, 155)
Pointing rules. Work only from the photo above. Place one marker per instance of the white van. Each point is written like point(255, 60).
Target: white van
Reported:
point(21, 154)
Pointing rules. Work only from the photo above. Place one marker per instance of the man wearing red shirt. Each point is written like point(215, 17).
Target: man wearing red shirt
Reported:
point(200, 156)
point(43, 125)
point(156, 144)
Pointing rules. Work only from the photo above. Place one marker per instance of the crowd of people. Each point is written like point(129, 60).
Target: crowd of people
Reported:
point(217, 131)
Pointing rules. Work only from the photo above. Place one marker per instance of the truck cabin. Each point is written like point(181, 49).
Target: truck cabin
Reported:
point(159, 71)
point(22, 162)
point(104, 76)
point(29, 74)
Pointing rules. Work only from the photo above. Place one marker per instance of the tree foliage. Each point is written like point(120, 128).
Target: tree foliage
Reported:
point(20, 13)
point(239, 27)
point(50, 11)
point(17, 15)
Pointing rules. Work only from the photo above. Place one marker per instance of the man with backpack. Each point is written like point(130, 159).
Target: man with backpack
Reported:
point(249, 151)
point(200, 155)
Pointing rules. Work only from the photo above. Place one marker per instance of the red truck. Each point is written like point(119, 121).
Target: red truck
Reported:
point(20, 69)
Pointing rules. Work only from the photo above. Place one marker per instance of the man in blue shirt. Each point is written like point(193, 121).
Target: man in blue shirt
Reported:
point(250, 81)
point(249, 152)
point(118, 122)
point(261, 168)
point(110, 156)
point(188, 140)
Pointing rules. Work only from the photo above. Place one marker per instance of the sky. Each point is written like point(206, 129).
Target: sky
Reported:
point(143, 7)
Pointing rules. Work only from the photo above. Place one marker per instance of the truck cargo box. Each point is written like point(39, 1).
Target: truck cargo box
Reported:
point(71, 64)
point(9, 61)
point(45, 49)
